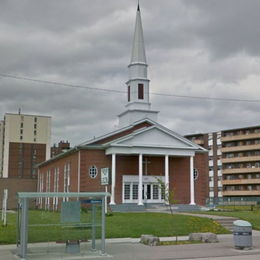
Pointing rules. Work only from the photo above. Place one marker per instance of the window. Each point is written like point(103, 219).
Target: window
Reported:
point(135, 191)
point(35, 126)
point(21, 138)
point(127, 192)
point(35, 132)
point(21, 125)
point(155, 192)
point(93, 172)
point(21, 131)
point(35, 119)
point(128, 94)
point(140, 91)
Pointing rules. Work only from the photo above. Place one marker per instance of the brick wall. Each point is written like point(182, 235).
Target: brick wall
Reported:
point(15, 185)
point(179, 168)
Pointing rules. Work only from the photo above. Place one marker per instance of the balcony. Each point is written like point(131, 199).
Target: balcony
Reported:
point(240, 170)
point(240, 181)
point(240, 148)
point(241, 193)
point(241, 159)
point(240, 137)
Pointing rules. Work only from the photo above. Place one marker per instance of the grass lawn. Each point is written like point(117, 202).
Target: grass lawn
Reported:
point(118, 225)
point(251, 216)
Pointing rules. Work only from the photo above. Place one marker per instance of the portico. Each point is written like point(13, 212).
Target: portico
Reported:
point(153, 141)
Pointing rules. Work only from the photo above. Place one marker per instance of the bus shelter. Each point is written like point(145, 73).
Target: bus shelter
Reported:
point(75, 226)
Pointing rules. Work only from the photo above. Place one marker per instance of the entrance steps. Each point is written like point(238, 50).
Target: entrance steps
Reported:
point(153, 207)
point(127, 207)
point(227, 222)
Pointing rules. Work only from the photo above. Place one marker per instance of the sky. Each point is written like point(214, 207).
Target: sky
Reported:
point(195, 48)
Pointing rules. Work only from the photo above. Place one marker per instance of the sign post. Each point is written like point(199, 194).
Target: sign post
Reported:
point(4, 206)
point(105, 181)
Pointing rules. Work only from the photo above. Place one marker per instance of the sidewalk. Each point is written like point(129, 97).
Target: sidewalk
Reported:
point(131, 249)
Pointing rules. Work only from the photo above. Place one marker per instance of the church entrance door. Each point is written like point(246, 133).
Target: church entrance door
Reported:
point(151, 192)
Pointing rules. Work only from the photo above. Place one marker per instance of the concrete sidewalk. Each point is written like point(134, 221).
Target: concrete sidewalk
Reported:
point(130, 249)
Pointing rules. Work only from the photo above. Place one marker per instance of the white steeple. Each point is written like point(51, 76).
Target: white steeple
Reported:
point(138, 105)
point(138, 51)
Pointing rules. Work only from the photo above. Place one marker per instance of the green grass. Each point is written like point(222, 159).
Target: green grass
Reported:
point(251, 216)
point(118, 225)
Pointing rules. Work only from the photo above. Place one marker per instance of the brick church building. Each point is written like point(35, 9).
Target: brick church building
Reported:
point(134, 156)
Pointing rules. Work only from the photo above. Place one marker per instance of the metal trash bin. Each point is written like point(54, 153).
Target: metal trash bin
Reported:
point(242, 234)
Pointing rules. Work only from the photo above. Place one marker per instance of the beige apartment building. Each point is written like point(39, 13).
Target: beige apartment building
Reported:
point(233, 163)
point(241, 161)
point(25, 141)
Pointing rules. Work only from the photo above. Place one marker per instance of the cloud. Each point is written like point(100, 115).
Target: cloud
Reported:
point(197, 48)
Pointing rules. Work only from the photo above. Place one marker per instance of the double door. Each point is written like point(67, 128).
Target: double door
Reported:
point(151, 193)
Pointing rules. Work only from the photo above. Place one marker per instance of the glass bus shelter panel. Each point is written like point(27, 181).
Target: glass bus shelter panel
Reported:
point(74, 229)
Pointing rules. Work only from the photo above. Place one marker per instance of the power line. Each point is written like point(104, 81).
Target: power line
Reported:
point(121, 91)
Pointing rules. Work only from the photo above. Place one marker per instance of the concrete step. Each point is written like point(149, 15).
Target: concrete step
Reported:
point(227, 223)
point(128, 207)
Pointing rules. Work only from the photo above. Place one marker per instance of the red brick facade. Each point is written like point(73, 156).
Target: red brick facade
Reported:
point(179, 173)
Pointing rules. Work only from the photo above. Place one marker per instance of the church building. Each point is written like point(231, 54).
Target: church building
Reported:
point(129, 161)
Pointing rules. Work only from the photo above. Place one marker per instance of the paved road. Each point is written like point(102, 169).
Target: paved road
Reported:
point(130, 249)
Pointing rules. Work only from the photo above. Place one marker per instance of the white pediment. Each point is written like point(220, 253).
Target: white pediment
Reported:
point(153, 137)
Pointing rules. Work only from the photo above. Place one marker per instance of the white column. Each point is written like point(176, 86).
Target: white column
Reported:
point(140, 185)
point(167, 176)
point(192, 201)
point(113, 184)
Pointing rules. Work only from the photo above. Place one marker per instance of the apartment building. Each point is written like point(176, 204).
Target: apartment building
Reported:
point(233, 162)
point(24, 142)
point(241, 161)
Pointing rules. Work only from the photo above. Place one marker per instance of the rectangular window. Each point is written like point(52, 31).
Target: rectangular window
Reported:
point(155, 192)
point(128, 93)
point(127, 192)
point(21, 125)
point(140, 91)
point(35, 119)
point(135, 191)
point(35, 126)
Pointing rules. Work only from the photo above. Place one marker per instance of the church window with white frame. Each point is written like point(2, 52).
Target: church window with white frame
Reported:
point(93, 172)
point(66, 187)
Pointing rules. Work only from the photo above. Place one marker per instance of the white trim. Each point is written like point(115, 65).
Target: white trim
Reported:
point(167, 174)
point(149, 150)
point(140, 182)
point(192, 200)
point(113, 184)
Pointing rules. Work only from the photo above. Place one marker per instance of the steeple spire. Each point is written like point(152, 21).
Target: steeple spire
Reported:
point(138, 101)
point(138, 51)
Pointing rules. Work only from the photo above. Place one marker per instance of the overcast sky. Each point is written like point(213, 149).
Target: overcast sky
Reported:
point(207, 48)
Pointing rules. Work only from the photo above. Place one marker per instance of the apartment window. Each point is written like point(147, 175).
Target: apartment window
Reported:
point(34, 139)
point(35, 126)
point(21, 137)
point(140, 91)
point(21, 125)
point(35, 120)
point(21, 131)
point(35, 132)
point(128, 93)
